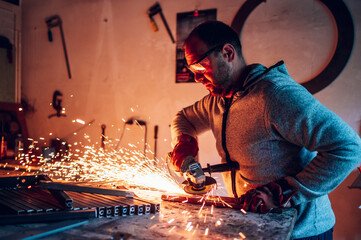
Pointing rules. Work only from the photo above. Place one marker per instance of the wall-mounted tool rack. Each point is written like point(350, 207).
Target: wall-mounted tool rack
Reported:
point(36, 198)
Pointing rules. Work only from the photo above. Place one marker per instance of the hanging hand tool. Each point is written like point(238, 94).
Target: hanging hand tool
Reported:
point(55, 21)
point(155, 143)
point(153, 10)
point(103, 126)
point(57, 105)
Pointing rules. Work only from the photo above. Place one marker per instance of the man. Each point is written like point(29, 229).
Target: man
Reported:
point(291, 150)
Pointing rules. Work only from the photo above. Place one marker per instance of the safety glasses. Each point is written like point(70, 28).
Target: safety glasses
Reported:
point(197, 67)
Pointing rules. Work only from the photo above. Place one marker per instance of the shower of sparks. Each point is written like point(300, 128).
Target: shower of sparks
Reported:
point(242, 235)
point(188, 225)
point(80, 121)
point(206, 232)
point(127, 167)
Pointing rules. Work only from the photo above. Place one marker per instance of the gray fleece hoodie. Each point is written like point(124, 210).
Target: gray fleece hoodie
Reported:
point(277, 129)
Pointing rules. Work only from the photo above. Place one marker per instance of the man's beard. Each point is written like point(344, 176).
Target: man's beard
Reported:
point(222, 87)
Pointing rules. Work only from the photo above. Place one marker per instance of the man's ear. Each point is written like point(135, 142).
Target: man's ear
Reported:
point(228, 52)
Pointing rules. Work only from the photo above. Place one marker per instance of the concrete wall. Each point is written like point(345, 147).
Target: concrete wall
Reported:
point(121, 68)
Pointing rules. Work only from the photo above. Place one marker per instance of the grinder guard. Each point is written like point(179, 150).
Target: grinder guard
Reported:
point(196, 182)
point(199, 189)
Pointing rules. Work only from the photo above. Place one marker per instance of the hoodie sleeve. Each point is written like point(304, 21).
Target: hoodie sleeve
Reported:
point(191, 120)
point(299, 118)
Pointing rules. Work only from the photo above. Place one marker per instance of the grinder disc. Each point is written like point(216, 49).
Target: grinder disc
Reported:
point(210, 183)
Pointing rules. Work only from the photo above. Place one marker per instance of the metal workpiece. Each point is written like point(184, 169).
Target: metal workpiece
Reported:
point(21, 202)
point(8, 207)
point(43, 196)
point(141, 207)
point(85, 201)
point(154, 207)
point(116, 208)
point(59, 194)
point(26, 200)
point(85, 189)
point(110, 206)
point(29, 199)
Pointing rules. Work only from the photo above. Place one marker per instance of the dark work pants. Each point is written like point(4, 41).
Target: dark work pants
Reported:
point(328, 235)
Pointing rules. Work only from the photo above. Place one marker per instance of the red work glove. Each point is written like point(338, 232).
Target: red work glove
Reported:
point(267, 197)
point(187, 146)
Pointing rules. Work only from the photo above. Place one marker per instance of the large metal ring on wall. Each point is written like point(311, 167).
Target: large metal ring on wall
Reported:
point(345, 40)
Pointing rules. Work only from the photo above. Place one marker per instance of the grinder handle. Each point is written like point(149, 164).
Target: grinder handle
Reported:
point(223, 167)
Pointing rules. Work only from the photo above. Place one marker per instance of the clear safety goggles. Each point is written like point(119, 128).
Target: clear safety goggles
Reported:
point(197, 67)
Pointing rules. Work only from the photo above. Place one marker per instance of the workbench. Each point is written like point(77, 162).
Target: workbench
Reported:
point(174, 221)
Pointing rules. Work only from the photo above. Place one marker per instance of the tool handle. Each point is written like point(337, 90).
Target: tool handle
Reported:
point(154, 24)
point(166, 26)
point(223, 167)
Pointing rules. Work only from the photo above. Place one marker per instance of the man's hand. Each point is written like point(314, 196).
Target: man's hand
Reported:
point(187, 146)
point(267, 197)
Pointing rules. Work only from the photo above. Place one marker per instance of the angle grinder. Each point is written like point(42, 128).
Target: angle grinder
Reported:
point(196, 182)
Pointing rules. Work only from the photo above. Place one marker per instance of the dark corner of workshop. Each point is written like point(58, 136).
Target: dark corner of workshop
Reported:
point(98, 141)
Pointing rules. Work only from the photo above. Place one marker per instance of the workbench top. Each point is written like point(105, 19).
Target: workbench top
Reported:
point(174, 221)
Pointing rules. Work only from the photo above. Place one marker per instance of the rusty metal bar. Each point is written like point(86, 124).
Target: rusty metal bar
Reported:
point(26, 195)
point(149, 207)
point(42, 195)
point(132, 207)
point(116, 209)
point(8, 207)
point(154, 207)
point(59, 194)
point(29, 199)
point(138, 208)
point(124, 208)
point(101, 209)
point(21, 202)
point(108, 209)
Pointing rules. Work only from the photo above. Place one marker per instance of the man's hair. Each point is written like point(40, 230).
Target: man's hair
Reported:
point(214, 33)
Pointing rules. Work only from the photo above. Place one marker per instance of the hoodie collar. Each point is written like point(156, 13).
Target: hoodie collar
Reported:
point(252, 75)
